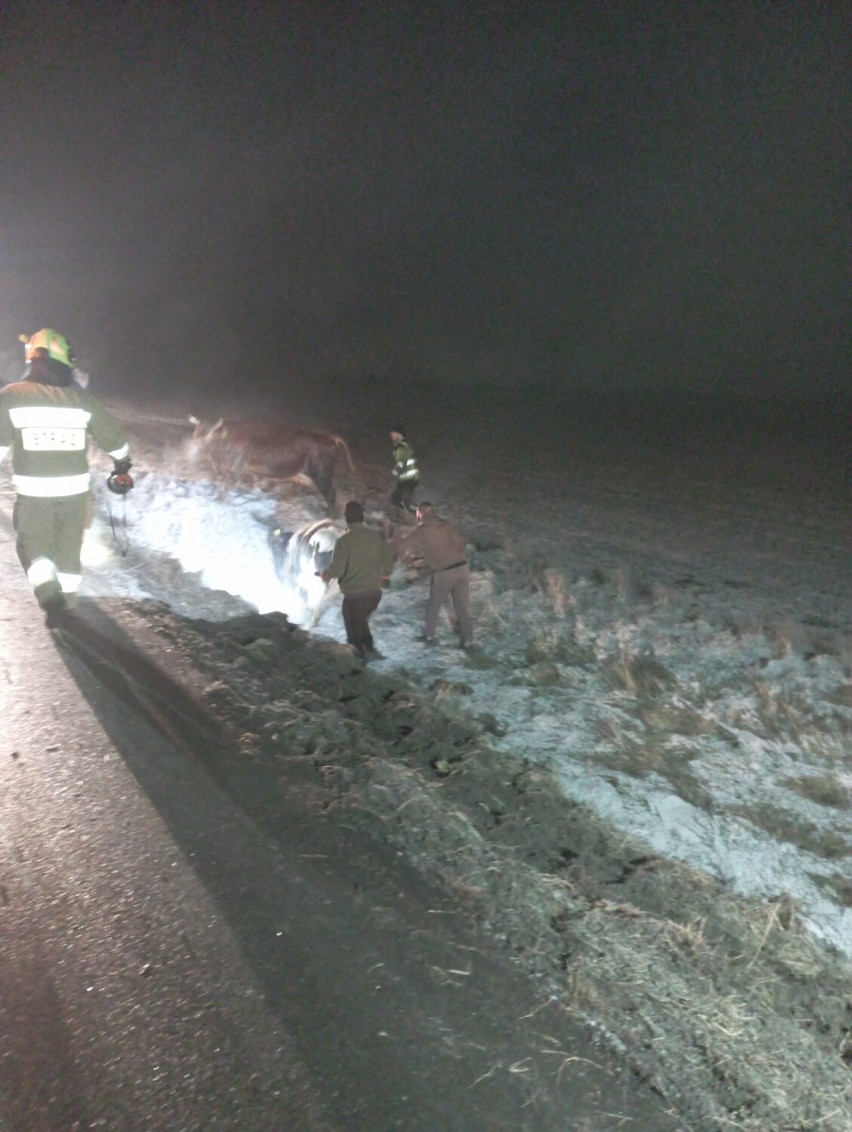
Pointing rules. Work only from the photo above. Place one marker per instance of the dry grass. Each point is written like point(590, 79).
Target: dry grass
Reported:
point(784, 825)
point(724, 1005)
point(640, 675)
point(657, 984)
point(823, 789)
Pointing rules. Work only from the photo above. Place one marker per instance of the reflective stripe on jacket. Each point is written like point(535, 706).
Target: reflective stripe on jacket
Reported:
point(405, 464)
point(48, 429)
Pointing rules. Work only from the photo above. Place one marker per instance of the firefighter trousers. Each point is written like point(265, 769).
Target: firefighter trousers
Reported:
point(49, 537)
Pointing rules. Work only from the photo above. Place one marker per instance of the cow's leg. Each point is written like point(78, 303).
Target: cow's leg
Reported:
point(322, 477)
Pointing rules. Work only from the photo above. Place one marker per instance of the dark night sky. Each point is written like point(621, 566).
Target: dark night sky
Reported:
point(596, 195)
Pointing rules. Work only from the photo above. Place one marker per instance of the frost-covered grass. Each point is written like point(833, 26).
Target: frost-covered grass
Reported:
point(660, 820)
point(742, 737)
point(671, 641)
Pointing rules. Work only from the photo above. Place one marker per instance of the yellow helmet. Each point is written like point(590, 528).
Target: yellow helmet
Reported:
point(52, 342)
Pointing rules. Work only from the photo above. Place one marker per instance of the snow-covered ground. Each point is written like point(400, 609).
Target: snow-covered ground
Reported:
point(662, 596)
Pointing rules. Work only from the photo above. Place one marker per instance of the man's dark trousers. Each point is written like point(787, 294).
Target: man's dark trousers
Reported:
point(356, 610)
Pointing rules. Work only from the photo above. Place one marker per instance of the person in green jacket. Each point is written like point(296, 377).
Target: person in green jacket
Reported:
point(362, 562)
point(47, 420)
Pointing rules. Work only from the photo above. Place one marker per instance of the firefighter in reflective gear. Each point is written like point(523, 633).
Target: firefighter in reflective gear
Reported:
point(405, 471)
point(47, 421)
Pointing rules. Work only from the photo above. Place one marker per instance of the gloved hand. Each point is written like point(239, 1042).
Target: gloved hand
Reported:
point(119, 481)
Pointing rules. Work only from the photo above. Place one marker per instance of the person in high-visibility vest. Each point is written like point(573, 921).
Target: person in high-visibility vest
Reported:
point(47, 420)
point(405, 471)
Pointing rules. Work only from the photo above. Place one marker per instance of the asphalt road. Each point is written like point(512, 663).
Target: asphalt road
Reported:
point(172, 960)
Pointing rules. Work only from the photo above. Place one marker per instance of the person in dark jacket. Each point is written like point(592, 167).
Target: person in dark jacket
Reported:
point(362, 563)
point(442, 547)
point(405, 471)
point(47, 420)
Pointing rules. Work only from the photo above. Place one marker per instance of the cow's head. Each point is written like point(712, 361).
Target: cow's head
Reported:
point(205, 431)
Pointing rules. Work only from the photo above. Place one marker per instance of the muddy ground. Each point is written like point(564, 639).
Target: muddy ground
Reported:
point(728, 1008)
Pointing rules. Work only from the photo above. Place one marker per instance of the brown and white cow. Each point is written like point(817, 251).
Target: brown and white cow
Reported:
point(300, 558)
point(271, 451)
